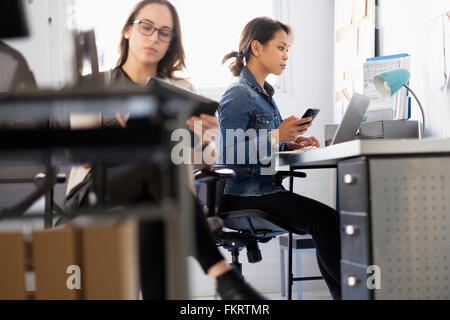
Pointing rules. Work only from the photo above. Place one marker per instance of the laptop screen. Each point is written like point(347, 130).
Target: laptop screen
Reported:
point(352, 119)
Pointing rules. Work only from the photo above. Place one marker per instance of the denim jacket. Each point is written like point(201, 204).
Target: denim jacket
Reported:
point(247, 107)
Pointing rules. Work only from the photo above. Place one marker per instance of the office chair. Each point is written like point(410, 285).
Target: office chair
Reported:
point(248, 227)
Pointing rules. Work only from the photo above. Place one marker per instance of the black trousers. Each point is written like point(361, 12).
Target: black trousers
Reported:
point(307, 216)
point(137, 184)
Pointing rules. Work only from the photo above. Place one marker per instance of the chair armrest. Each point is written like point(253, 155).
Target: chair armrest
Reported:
point(40, 178)
point(61, 178)
point(221, 172)
point(218, 173)
point(280, 175)
point(295, 174)
point(237, 169)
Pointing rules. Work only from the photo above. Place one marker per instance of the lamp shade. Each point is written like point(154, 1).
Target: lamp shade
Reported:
point(389, 83)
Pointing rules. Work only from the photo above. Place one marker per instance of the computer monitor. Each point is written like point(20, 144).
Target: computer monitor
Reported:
point(352, 119)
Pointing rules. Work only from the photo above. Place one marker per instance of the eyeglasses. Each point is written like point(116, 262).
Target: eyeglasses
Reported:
point(147, 29)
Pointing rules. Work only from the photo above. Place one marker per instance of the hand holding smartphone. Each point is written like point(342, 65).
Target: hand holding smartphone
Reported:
point(311, 113)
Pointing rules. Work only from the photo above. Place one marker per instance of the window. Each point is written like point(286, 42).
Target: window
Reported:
point(211, 29)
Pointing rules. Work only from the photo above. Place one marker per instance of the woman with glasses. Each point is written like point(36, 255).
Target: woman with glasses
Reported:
point(248, 104)
point(151, 46)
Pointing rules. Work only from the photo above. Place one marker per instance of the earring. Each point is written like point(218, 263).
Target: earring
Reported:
point(126, 37)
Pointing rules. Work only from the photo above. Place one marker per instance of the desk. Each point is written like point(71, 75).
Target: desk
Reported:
point(394, 205)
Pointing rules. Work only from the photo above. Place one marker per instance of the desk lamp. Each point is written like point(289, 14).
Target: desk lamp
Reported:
point(389, 83)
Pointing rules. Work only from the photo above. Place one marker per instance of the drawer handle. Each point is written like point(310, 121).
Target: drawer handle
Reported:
point(349, 179)
point(352, 281)
point(351, 230)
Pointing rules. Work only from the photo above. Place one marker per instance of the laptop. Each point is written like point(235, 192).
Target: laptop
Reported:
point(349, 125)
point(352, 119)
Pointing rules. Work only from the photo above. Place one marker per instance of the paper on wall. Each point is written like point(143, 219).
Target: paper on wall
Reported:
point(344, 12)
point(399, 102)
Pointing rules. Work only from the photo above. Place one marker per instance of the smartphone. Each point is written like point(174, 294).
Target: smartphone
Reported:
point(311, 113)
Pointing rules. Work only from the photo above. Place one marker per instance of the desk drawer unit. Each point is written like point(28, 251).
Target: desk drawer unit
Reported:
point(354, 281)
point(401, 223)
point(353, 181)
point(355, 228)
point(355, 237)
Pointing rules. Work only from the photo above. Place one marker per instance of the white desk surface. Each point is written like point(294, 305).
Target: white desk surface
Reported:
point(357, 148)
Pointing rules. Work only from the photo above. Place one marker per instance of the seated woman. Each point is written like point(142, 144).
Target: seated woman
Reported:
point(151, 46)
point(247, 106)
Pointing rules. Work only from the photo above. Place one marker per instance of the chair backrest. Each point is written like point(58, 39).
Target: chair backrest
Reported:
point(220, 187)
point(207, 195)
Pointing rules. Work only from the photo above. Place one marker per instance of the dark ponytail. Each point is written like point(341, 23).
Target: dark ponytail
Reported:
point(237, 66)
point(262, 29)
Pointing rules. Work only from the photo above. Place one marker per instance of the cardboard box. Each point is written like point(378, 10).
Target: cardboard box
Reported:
point(55, 252)
point(12, 266)
point(110, 260)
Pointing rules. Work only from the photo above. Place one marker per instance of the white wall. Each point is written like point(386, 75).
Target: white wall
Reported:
point(48, 48)
point(311, 62)
point(312, 68)
point(408, 28)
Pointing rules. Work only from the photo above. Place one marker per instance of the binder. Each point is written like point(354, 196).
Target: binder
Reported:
point(397, 107)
